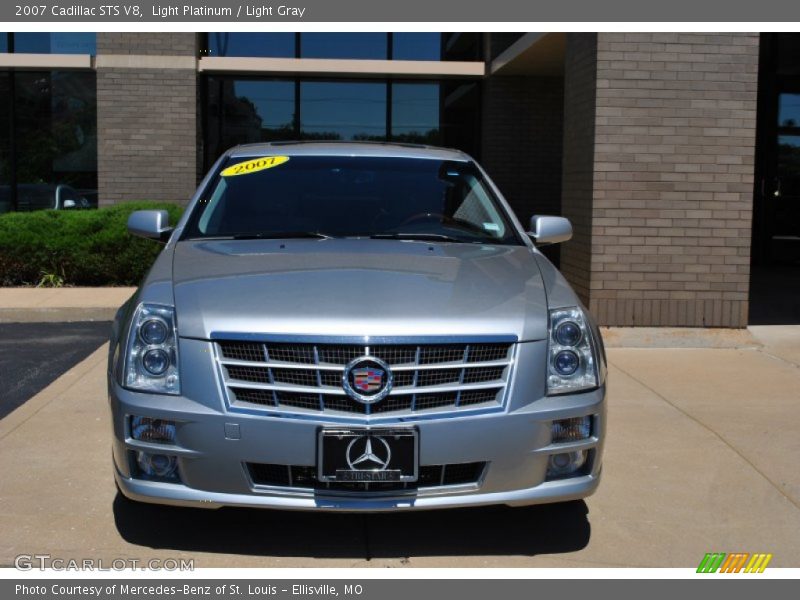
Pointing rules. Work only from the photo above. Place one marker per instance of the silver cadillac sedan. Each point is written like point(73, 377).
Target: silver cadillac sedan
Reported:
point(354, 327)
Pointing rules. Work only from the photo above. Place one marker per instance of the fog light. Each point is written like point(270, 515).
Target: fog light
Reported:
point(158, 431)
point(160, 466)
point(565, 463)
point(571, 430)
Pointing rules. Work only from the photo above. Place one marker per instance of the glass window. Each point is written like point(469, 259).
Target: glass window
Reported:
point(415, 113)
point(789, 164)
point(56, 43)
point(462, 46)
point(459, 123)
point(787, 53)
point(270, 104)
point(56, 136)
point(417, 46)
point(274, 45)
point(344, 45)
point(343, 110)
point(789, 110)
point(244, 111)
point(354, 196)
point(5, 143)
point(3, 42)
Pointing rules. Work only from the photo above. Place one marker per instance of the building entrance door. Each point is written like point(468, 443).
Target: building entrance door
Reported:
point(775, 272)
point(783, 195)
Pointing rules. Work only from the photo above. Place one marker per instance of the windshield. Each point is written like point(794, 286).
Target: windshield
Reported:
point(346, 196)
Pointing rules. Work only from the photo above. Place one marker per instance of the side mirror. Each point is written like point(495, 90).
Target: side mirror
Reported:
point(550, 230)
point(151, 224)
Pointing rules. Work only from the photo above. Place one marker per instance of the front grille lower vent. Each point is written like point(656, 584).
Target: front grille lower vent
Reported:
point(308, 377)
point(430, 476)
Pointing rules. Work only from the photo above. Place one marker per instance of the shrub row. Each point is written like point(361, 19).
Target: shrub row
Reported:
point(80, 247)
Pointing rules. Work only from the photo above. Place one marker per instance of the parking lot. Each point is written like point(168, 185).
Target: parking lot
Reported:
point(34, 354)
point(701, 456)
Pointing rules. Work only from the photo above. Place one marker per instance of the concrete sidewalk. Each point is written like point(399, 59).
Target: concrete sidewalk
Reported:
point(39, 305)
point(701, 456)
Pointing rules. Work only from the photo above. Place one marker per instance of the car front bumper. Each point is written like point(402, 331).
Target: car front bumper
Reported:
point(214, 445)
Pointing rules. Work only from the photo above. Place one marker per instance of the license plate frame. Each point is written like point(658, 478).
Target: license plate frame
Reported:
point(400, 445)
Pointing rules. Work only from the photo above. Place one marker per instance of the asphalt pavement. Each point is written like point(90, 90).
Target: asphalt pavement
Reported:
point(33, 355)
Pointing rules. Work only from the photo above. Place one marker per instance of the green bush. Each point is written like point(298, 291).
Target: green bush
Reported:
point(81, 247)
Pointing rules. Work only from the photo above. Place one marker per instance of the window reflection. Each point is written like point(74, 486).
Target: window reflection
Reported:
point(343, 110)
point(354, 46)
point(243, 111)
point(55, 137)
point(417, 46)
point(460, 120)
point(56, 43)
point(5, 143)
point(787, 51)
point(789, 164)
point(462, 46)
point(277, 45)
point(344, 45)
point(415, 113)
point(246, 110)
point(789, 110)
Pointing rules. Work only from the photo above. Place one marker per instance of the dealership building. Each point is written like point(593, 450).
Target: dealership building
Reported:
point(675, 155)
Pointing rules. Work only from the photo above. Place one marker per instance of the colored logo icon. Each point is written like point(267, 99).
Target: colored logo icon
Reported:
point(737, 562)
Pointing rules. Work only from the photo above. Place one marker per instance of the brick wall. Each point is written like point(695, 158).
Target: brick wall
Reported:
point(580, 90)
point(671, 208)
point(149, 44)
point(521, 141)
point(147, 117)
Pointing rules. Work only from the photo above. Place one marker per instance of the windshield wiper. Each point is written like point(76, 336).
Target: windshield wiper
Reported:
point(281, 235)
point(426, 237)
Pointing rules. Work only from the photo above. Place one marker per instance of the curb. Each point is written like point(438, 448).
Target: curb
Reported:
point(67, 304)
point(55, 315)
point(678, 337)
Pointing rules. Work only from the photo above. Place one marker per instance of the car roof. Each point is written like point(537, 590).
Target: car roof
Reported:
point(334, 148)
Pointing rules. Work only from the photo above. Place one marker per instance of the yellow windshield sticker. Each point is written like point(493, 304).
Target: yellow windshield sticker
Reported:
point(252, 166)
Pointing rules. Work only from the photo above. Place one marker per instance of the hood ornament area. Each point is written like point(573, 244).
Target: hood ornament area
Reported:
point(367, 379)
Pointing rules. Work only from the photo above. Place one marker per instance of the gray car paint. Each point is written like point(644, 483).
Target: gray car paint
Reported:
point(358, 286)
point(311, 287)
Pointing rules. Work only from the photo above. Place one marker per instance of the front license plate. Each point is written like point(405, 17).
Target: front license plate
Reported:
point(368, 454)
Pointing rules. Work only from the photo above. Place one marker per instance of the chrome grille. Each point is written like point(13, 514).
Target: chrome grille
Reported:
point(438, 377)
point(243, 351)
point(304, 377)
point(308, 377)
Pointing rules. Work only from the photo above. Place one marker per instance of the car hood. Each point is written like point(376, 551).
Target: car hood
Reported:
point(357, 287)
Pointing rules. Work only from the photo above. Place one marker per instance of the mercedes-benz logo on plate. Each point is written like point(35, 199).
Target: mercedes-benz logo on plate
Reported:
point(367, 379)
point(368, 453)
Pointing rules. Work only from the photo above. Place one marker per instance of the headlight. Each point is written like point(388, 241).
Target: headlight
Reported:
point(572, 366)
point(151, 362)
point(154, 331)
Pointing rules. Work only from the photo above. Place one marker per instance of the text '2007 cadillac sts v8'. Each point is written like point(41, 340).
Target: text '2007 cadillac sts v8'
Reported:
point(356, 327)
